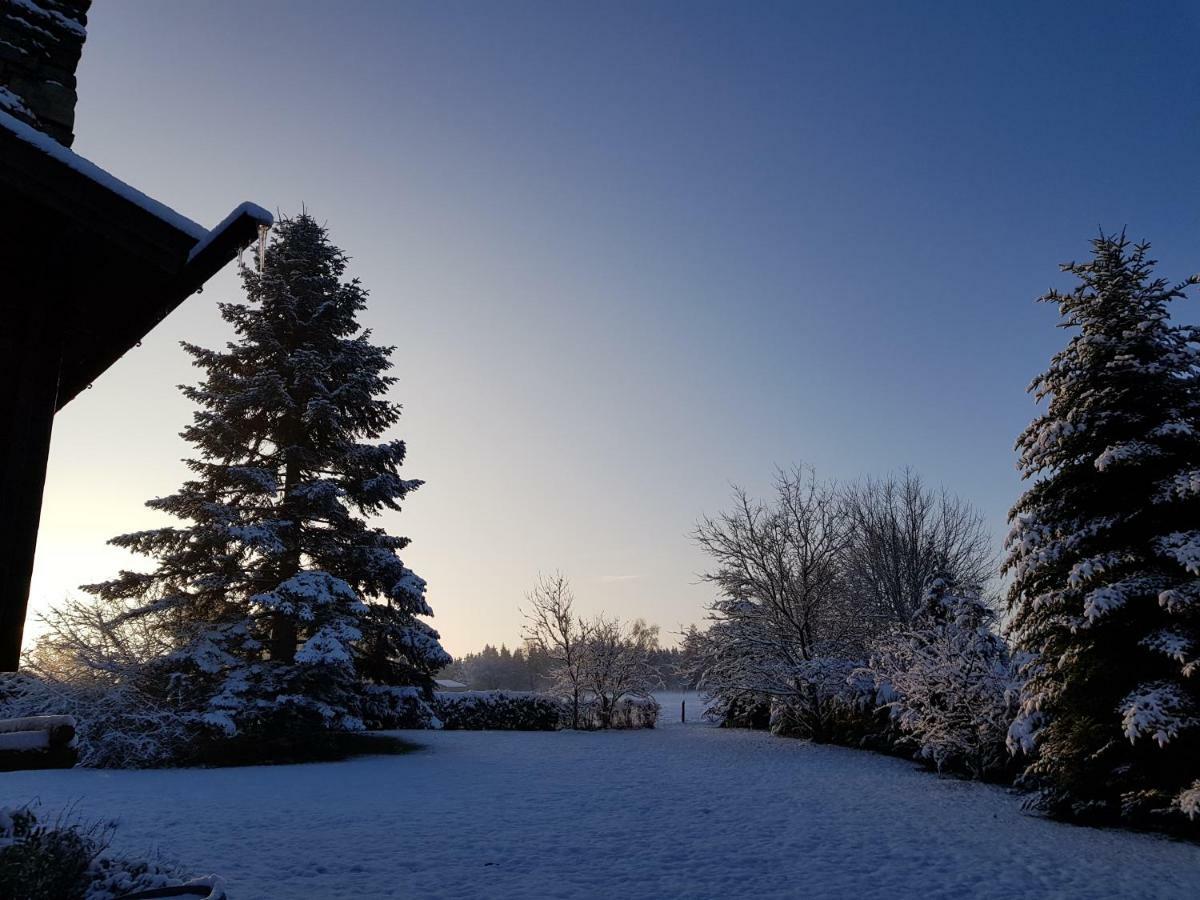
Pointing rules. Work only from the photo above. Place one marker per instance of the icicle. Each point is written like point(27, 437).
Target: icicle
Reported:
point(262, 245)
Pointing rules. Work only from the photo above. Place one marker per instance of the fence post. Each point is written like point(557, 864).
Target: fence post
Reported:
point(683, 711)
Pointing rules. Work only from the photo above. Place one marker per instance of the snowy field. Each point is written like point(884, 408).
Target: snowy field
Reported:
point(682, 811)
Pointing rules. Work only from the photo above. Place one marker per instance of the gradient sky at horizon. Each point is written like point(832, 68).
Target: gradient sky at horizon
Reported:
point(631, 253)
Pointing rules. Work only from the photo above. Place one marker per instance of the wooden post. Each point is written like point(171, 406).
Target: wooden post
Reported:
point(683, 711)
point(30, 351)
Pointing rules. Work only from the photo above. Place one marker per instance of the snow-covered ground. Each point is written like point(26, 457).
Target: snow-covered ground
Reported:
point(682, 811)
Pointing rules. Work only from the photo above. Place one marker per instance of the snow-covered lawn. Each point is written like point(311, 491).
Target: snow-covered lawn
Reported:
point(682, 811)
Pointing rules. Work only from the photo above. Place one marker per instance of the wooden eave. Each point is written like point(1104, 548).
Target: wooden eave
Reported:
point(118, 267)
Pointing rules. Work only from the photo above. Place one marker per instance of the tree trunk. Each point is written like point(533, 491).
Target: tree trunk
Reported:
point(284, 635)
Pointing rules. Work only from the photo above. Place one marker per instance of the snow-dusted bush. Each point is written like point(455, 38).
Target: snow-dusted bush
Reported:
point(619, 673)
point(749, 686)
point(628, 712)
point(499, 711)
point(738, 711)
point(117, 726)
point(386, 707)
point(818, 701)
point(1189, 801)
point(949, 684)
point(70, 861)
point(147, 720)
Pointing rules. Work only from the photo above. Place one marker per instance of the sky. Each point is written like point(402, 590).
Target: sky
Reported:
point(631, 254)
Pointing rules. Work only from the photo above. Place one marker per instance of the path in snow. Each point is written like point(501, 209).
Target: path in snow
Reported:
point(683, 811)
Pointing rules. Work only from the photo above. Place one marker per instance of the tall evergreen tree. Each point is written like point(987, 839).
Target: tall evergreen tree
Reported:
point(277, 586)
point(1105, 553)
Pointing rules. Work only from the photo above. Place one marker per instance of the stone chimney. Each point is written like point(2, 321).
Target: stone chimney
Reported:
point(40, 45)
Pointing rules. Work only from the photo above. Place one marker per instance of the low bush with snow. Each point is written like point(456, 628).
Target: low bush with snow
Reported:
point(128, 725)
point(529, 711)
point(387, 707)
point(498, 711)
point(628, 712)
point(116, 726)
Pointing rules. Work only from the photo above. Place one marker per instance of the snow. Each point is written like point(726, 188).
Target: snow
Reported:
point(36, 723)
point(9, 100)
point(679, 811)
point(29, 26)
point(328, 646)
point(53, 148)
point(306, 590)
point(1128, 451)
point(255, 212)
point(63, 21)
point(24, 740)
point(1189, 801)
point(1159, 710)
point(1183, 547)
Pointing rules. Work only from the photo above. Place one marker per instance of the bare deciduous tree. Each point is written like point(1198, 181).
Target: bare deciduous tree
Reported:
point(783, 609)
point(553, 627)
point(809, 579)
point(780, 564)
point(903, 533)
point(618, 663)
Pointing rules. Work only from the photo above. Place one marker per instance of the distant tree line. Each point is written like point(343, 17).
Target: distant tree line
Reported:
point(528, 668)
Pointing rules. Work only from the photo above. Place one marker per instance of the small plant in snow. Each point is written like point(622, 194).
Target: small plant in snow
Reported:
point(69, 860)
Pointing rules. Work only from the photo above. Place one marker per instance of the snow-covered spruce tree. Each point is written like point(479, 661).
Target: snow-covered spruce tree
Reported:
point(277, 593)
point(1105, 553)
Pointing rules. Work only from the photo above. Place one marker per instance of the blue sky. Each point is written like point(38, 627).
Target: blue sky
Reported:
point(630, 253)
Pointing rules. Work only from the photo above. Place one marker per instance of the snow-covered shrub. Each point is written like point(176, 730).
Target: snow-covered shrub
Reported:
point(738, 711)
point(151, 718)
point(619, 673)
point(117, 726)
point(498, 711)
point(274, 712)
point(949, 684)
point(629, 712)
point(386, 707)
point(818, 700)
point(1189, 801)
point(70, 861)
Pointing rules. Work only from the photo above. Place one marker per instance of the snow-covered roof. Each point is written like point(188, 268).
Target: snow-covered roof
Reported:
point(72, 160)
point(93, 172)
point(245, 208)
point(142, 258)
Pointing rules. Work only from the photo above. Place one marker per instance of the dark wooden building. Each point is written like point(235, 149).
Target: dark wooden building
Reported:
point(88, 266)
